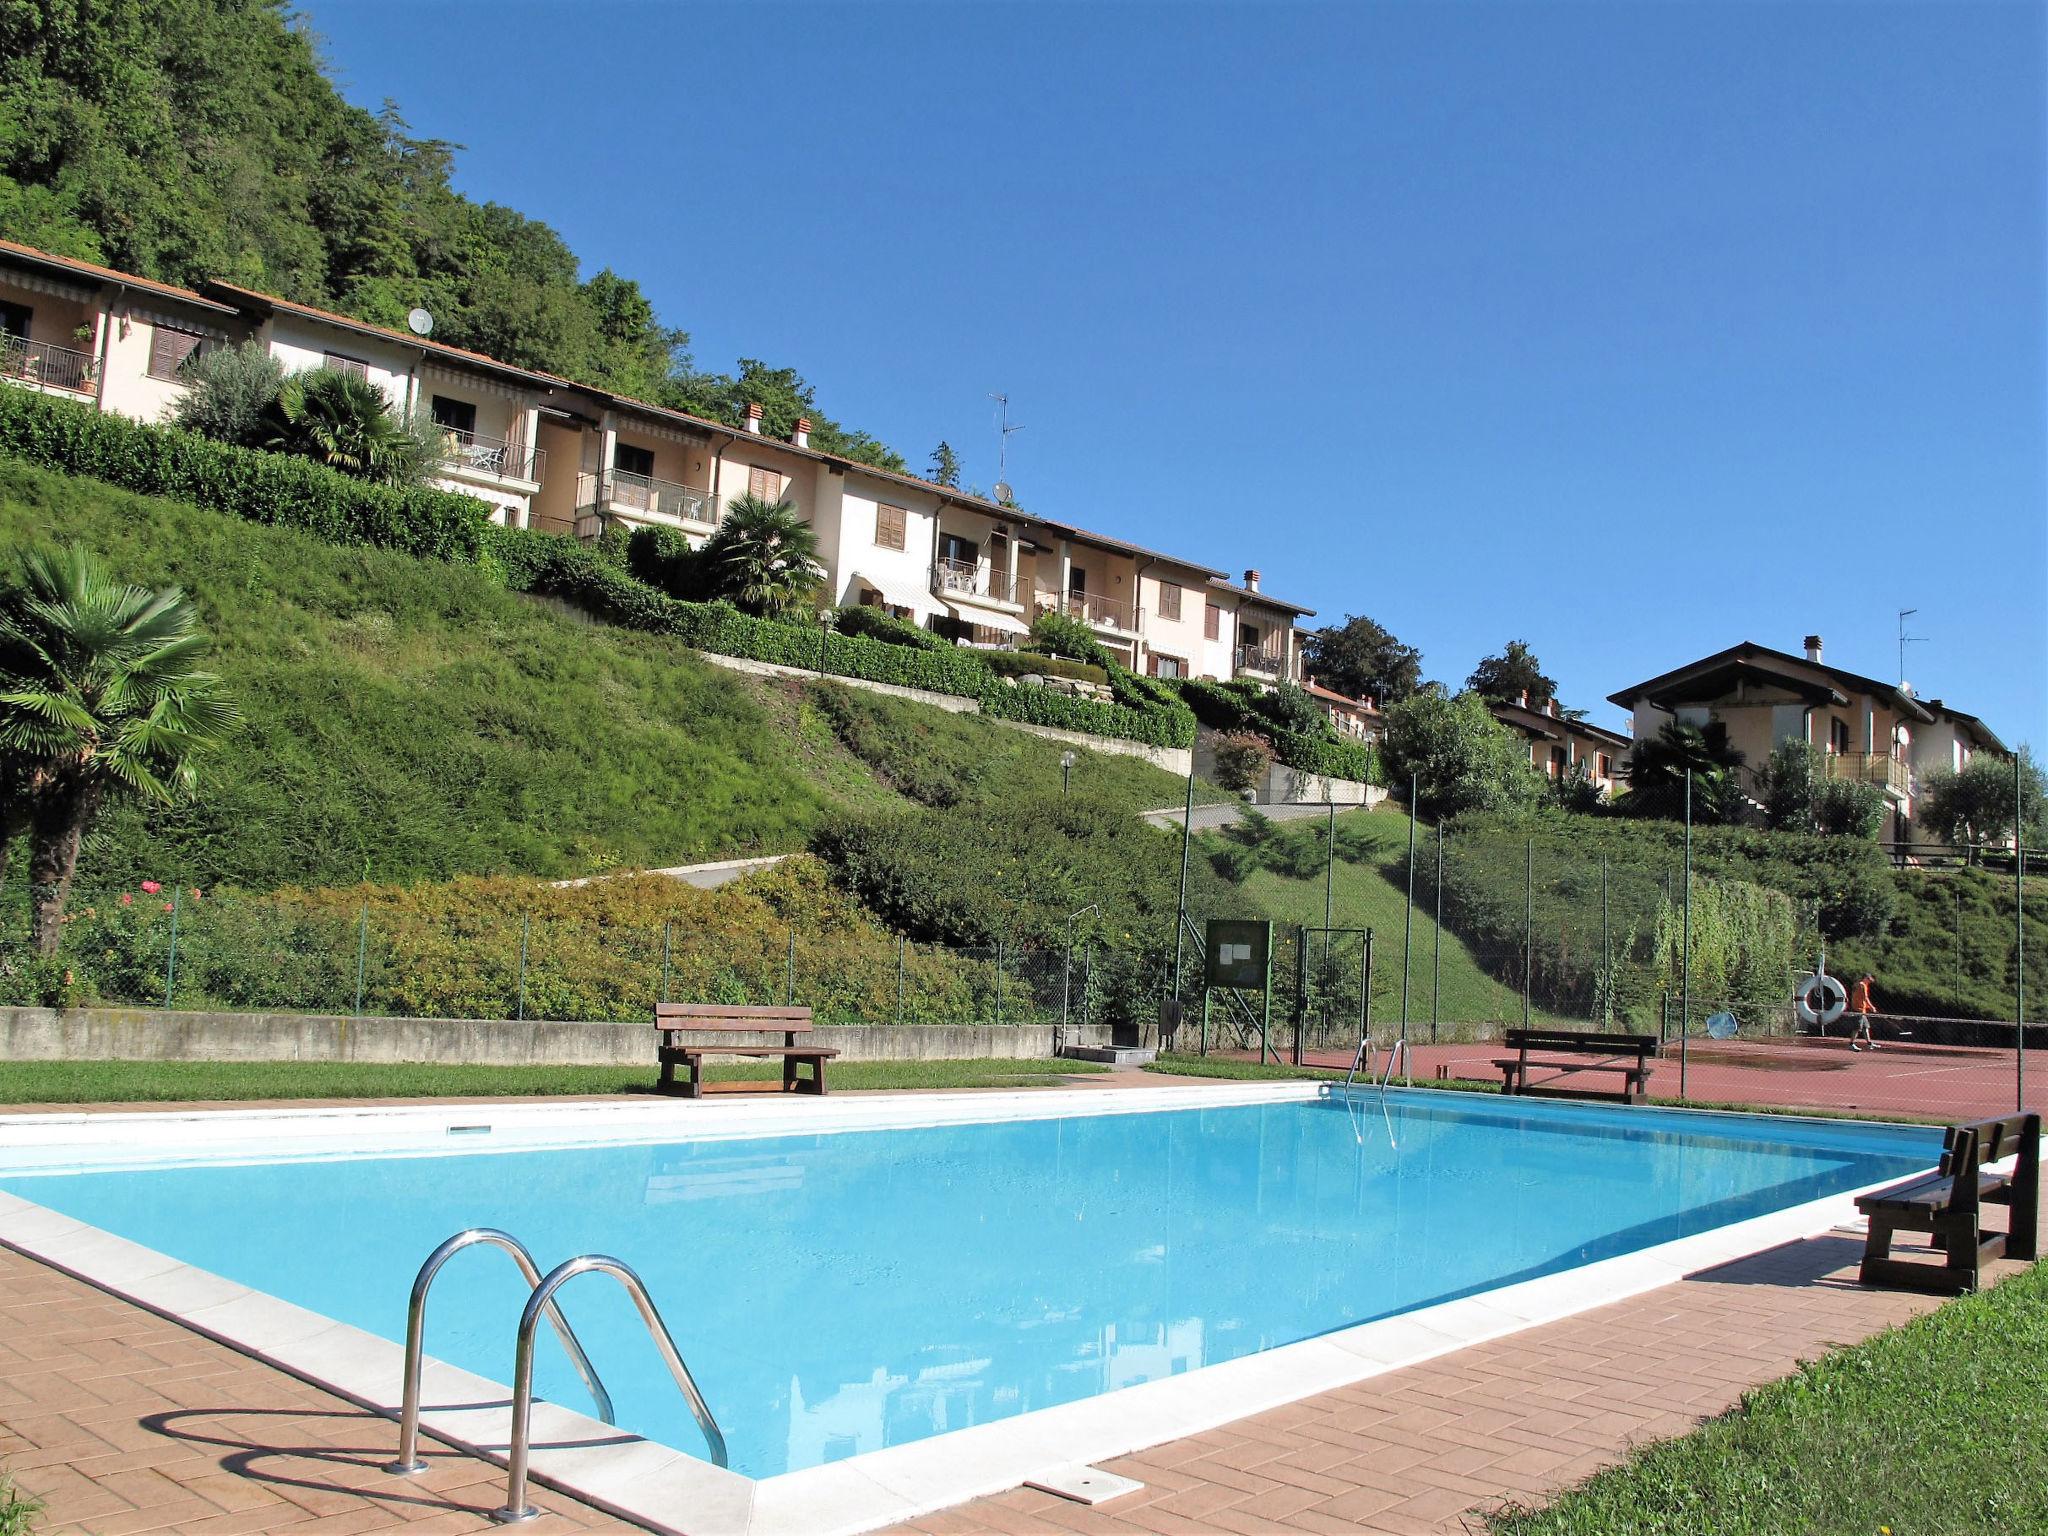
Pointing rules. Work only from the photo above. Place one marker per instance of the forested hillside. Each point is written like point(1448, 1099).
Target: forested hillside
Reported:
point(193, 139)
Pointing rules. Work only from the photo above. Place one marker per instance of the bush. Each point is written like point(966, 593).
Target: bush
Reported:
point(1301, 735)
point(662, 558)
point(1058, 634)
point(1026, 663)
point(880, 624)
point(243, 482)
point(1846, 808)
point(1459, 757)
point(229, 393)
point(1242, 760)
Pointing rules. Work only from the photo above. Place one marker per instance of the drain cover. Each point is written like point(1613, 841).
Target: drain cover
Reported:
point(1084, 1485)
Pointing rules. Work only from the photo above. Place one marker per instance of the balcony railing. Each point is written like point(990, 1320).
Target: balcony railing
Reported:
point(1270, 660)
point(626, 491)
point(1880, 768)
point(969, 578)
point(39, 362)
point(1104, 612)
point(475, 453)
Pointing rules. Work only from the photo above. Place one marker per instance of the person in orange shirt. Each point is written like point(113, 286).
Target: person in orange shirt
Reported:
point(1861, 1005)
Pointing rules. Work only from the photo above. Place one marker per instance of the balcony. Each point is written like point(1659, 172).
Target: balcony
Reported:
point(475, 456)
point(40, 365)
point(1262, 661)
point(1880, 768)
point(971, 579)
point(644, 499)
point(1109, 613)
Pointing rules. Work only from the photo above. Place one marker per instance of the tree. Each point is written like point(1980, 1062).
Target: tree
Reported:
point(101, 694)
point(1461, 758)
point(1788, 781)
point(1363, 659)
point(1659, 765)
point(1512, 675)
point(344, 421)
point(1975, 806)
point(764, 557)
point(1577, 791)
point(230, 393)
point(945, 468)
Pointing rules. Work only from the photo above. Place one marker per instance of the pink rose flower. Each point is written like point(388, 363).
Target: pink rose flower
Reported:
point(127, 900)
point(151, 887)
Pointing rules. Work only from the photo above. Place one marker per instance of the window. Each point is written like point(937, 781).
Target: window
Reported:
point(955, 550)
point(890, 523)
point(1169, 604)
point(1248, 636)
point(633, 461)
point(1604, 764)
point(1077, 582)
point(168, 350)
point(341, 362)
point(1838, 736)
point(1167, 666)
point(1557, 762)
point(1212, 622)
point(14, 319)
point(767, 484)
point(457, 416)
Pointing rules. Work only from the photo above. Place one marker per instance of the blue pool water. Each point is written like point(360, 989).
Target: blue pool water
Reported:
point(838, 1293)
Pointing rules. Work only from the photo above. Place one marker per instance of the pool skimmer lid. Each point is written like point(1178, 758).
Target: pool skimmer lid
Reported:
point(1084, 1485)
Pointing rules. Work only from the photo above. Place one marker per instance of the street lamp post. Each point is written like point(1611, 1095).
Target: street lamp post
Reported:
point(825, 621)
point(1067, 761)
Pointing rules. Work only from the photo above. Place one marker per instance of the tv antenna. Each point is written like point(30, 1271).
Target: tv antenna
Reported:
point(1003, 492)
point(1906, 640)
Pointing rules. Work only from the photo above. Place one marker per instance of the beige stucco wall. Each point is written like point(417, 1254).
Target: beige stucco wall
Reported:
point(301, 343)
point(1180, 637)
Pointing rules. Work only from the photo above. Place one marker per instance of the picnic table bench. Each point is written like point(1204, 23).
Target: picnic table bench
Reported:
point(677, 1022)
point(1948, 1204)
point(1570, 1052)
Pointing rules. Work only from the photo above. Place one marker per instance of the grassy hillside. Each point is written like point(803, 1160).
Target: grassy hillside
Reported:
point(409, 720)
point(1948, 951)
point(1280, 872)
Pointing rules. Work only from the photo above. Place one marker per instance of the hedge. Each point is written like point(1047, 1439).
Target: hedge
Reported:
point(552, 566)
point(1231, 707)
point(285, 491)
point(262, 487)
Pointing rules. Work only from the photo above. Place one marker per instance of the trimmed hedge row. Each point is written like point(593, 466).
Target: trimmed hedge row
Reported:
point(292, 492)
point(262, 487)
point(557, 567)
point(1224, 708)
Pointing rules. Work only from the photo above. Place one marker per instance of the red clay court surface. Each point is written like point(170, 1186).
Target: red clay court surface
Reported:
point(1940, 1082)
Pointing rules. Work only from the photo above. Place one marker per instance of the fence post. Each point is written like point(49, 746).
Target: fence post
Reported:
point(789, 972)
point(999, 983)
point(900, 945)
point(525, 928)
point(1408, 914)
point(1606, 954)
point(1436, 964)
point(1528, 932)
point(2019, 931)
point(171, 961)
point(1685, 954)
point(1301, 982)
point(362, 954)
point(1956, 997)
point(665, 927)
point(1180, 910)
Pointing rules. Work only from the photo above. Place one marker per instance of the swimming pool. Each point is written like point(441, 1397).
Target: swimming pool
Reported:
point(840, 1292)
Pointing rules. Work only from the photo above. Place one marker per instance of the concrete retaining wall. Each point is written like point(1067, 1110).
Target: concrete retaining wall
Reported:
point(154, 1034)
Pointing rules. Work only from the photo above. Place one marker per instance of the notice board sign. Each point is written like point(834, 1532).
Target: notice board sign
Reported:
point(1240, 952)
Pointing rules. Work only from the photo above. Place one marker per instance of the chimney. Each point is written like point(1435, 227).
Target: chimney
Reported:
point(1813, 647)
point(754, 419)
point(1524, 699)
point(802, 436)
point(1251, 581)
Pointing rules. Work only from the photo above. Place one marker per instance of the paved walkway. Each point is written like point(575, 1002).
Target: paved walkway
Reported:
point(124, 1422)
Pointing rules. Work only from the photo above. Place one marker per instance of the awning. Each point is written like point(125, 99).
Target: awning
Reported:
point(985, 618)
point(897, 591)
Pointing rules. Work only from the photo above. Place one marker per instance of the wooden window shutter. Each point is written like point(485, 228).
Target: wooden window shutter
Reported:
point(168, 349)
point(1169, 600)
point(889, 526)
point(765, 483)
point(1212, 623)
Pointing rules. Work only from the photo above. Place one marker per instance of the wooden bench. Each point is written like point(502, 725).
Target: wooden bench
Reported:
point(1948, 1205)
point(1628, 1055)
point(678, 1021)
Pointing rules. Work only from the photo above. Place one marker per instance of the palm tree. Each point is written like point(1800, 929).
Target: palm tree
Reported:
point(100, 694)
point(1658, 767)
point(344, 421)
point(764, 557)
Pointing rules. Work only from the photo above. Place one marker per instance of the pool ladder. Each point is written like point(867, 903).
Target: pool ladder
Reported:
point(1361, 1061)
point(541, 1302)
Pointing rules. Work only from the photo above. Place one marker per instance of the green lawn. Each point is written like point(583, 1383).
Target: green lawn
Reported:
point(1284, 876)
point(116, 1082)
point(1940, 1426)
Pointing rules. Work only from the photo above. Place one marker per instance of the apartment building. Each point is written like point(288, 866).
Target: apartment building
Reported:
point(1354, 719)
point(546, 453)
point(1557, 743)
point(1866, 729)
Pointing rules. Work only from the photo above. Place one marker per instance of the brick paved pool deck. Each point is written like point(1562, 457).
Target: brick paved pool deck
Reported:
point(124, 1422)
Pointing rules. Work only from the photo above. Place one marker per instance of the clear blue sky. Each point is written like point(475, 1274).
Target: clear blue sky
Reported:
point(1631, 330)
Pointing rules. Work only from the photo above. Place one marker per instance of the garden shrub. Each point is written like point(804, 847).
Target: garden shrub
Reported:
point(1301, 735)
point(243, 482)
point(1025, 663)
point(1242, 760)
point(1059, 634)
point(880, 624)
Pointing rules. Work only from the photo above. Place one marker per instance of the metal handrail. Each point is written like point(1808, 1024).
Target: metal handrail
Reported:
point(408, 1461)
point(44, 362)
point(516, 1508)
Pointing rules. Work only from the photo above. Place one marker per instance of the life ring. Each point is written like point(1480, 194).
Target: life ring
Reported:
point(1820, 999)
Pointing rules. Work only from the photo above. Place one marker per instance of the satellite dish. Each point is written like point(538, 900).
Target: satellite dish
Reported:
point(419, 322)
point(1003, 492)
